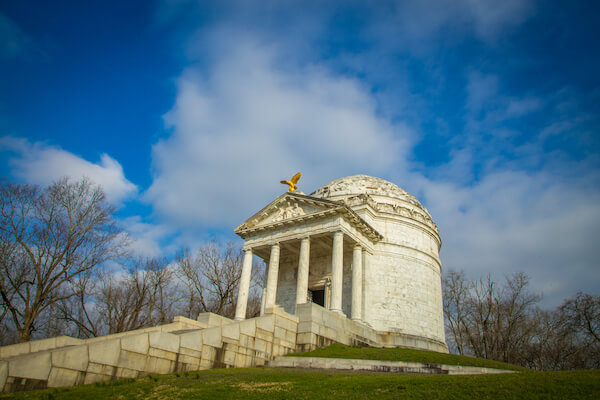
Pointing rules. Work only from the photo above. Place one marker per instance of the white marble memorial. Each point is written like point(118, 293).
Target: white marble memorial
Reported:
point(359, 246)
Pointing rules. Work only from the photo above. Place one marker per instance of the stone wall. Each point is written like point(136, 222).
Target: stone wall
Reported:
point(319, 327)
point(186, 345)
point(381, 366)
point(152, 351)
point(179, 323)
point(402, 278)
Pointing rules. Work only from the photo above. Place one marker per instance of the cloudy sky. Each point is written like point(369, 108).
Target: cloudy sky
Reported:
point(190, 112)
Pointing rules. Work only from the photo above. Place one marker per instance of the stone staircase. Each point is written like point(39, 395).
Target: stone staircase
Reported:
point(211, 341)
point(184, 345)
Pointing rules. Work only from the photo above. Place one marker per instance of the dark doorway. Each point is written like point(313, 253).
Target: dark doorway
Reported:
point(318, 297)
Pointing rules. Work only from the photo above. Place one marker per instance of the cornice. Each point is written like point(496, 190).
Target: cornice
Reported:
point(394, 209)
point(334, 208)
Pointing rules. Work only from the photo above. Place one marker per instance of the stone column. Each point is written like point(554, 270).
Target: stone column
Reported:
point(366, 264)
point(337, 271)
point(272, 276)
point(357, 282)
point(263, 298)
point(242, 300)
point(302, 282)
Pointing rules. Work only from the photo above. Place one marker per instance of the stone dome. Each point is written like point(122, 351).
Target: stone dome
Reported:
point(343, 189)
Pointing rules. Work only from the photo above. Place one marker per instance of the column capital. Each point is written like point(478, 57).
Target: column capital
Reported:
point(338, 233)
point(358, 246)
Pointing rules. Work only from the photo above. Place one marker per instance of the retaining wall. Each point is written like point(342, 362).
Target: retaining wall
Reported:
point(320, 327)
point(186, 345)
point(380, 366)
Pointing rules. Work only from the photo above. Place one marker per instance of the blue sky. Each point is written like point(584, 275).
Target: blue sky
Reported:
point(190, 112)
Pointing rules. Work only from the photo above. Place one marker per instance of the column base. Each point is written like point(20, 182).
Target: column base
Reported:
point(340, 312)
point(239, 319)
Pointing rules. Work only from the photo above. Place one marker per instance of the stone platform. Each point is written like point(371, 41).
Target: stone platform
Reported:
point(187, 345)
point(380, 366)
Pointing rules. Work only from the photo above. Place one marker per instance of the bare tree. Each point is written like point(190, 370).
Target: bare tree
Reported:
point(488, 320)
point(135, 297)
point(455, 293)
point(502, 322)
point(258, 282)
point(553, 346)
point(165, 299)
point(581, 314)
point(78, 310)
point(49, 237)
point(211, 277)
point(516, 305)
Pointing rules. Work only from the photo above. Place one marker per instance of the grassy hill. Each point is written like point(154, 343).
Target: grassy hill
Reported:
point(271, 383)
point(274, 383)
point(410, 355)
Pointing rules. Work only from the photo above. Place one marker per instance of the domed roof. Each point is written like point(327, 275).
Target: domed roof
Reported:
point(343, 188)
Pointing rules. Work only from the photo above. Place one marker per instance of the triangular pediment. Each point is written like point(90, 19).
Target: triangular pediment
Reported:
point(288, 207)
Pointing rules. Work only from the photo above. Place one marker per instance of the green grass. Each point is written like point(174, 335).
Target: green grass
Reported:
point(271, 383)
point(410, 355)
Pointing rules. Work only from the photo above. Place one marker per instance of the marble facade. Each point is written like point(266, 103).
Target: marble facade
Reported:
point(359, 246)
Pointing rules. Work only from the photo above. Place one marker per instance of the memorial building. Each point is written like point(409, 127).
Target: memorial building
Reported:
point(359, 246)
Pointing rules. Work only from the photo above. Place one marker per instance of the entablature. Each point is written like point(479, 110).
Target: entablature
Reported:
point(292, 210)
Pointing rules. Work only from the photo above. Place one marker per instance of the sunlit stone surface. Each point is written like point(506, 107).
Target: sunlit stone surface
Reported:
point(363, 222)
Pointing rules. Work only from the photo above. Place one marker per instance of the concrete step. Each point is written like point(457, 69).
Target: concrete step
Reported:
point(379, 366)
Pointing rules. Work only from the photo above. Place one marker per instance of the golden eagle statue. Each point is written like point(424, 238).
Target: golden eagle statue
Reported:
point(292, 182)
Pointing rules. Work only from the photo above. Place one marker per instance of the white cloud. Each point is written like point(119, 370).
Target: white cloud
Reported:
point(491, 17)
point(512, 221)
point(14, 40)
point(248, 122)
point(481, 89)
point(146, 238)
point(421, 25)
point(487, 103)
point(522, 106)
point(504, 202)
point(42, 164)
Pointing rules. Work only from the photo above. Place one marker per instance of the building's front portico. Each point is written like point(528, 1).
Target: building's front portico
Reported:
point(315, 250)
point(360, 247)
